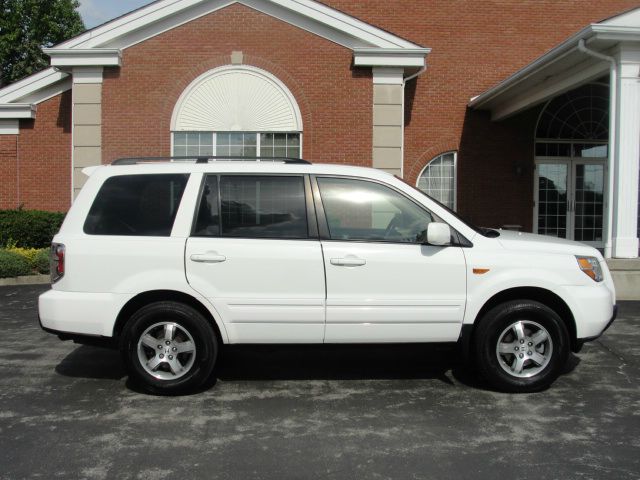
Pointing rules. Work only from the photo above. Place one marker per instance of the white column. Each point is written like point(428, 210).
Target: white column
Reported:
point(627, 154)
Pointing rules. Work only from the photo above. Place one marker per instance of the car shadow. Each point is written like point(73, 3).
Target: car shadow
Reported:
point(306, 362)
point(92, 362)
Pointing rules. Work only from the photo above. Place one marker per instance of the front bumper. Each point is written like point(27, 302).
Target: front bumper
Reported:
point(581, 341)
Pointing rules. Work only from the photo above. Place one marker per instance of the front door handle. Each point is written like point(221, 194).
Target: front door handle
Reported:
point(210, 257)
point(349, 261)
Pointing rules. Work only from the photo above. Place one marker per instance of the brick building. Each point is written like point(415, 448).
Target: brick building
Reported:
point(515, 113)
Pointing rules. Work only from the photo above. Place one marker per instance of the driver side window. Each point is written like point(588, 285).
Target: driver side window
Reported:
point(362, 210)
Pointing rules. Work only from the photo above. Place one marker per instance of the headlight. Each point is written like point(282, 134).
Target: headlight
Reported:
point(590, 266)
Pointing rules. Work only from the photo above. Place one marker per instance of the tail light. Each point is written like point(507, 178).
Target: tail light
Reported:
point(57, 262)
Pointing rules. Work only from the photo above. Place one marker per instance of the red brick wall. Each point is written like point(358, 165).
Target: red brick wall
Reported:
point(40, 178)
point(474, 46)
point(8, 168)
point(335, 102)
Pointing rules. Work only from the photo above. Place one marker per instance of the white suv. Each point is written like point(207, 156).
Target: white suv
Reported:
point(169, 260)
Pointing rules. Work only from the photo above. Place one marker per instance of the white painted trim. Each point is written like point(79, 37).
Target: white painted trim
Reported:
point(30, 84)
point(9, 126)
point(63, 57)
point(376, 57)
point(48, 92)
point(313, 12)
point(237, 68)
point(17, 110)
point(87, 74)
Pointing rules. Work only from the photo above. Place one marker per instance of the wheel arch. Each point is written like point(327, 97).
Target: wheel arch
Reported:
point(538, 294)
point(146, 298)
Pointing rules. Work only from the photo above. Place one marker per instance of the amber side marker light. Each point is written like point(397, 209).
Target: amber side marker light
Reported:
point(480, 271)
point(591, 267)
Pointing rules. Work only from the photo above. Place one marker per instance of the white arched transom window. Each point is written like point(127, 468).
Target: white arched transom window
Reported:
point(237, 110)
point(438, 179)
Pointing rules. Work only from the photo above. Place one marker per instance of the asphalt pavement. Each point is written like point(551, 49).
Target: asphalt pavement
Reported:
point(402, 412)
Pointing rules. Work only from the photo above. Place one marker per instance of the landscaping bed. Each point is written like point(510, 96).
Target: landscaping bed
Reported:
point(25, 239)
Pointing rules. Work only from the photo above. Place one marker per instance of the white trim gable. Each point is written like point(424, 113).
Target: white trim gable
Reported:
point(17, 91)
point(164, 15)
point(103, 45)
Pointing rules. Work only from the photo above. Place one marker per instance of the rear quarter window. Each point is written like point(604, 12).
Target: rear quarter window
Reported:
point(136, 205)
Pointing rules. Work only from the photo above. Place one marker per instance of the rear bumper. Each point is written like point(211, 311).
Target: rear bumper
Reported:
point(79, 313)
point(93, 340)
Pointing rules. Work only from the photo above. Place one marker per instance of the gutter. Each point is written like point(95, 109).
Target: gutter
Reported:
point(613, 95)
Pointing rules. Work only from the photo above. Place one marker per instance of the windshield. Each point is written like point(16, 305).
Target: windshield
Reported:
point(486, 232)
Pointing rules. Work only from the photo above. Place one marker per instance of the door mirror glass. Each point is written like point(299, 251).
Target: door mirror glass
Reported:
point(438, 234)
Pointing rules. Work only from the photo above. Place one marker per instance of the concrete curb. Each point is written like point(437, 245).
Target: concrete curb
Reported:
point(25, 280)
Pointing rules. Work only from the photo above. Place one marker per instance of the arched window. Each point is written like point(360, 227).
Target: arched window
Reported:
point(438, 179)
point(575, 124)
point(237, 110)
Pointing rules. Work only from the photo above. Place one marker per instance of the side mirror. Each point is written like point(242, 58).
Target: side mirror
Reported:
point(438, 234)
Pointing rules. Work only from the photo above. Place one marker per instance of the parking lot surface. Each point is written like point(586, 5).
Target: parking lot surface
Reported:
point(68, 411)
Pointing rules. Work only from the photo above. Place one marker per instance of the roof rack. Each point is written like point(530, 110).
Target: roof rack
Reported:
point(206, 159)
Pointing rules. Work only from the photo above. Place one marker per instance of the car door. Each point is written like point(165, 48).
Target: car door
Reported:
point(383, 283)
point(253, 255)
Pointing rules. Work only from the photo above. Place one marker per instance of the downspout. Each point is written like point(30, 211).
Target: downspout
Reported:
point(404, 83)
point(613, 111)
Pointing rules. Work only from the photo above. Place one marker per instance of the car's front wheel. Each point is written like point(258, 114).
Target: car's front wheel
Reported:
point(521, 346)
point(169, 347)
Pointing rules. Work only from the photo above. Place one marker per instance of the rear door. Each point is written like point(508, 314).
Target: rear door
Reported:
point(254, 253)
point(383, 284)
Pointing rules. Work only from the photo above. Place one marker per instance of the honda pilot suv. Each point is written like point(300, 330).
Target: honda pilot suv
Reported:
point(168, 260)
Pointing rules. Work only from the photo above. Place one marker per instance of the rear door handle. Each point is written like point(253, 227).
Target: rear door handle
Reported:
point(207, 258)
point(348, 261)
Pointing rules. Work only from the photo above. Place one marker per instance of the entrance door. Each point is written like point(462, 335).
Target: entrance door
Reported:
point(569, 199)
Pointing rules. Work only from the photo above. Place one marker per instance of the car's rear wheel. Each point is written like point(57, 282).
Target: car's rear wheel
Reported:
point(169, 348)
point(521, 346)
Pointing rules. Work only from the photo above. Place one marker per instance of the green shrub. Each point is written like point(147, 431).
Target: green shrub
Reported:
point(41, 261)
point(13, 265)
point(29, 228)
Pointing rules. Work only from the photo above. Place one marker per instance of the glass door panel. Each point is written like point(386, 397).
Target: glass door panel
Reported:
point(552, 185)
point(589, 202)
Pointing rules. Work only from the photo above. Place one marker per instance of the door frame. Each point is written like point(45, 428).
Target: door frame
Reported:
point(571, 163)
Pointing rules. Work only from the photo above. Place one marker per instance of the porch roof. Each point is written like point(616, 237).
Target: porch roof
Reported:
point(562, 68)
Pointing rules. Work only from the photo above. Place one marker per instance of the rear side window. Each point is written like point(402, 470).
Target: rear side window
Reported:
point(136, 205)
point(252, 207)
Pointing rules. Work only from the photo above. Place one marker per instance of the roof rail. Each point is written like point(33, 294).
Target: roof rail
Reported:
point(206, 159)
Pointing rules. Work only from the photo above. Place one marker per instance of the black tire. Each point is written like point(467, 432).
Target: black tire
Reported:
point(493, 366)
point(188, 320)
